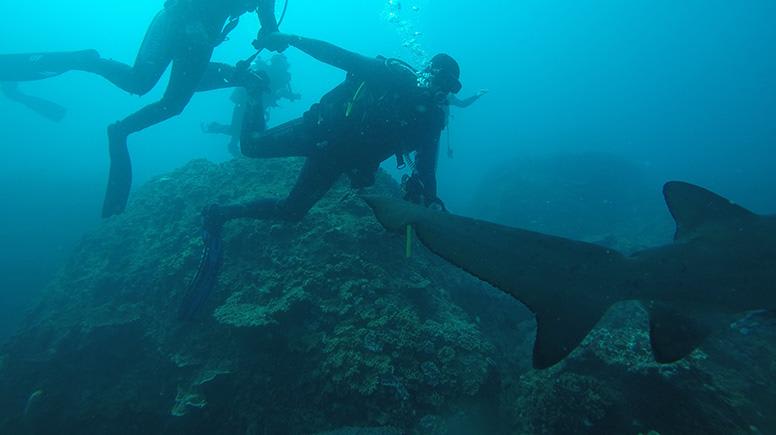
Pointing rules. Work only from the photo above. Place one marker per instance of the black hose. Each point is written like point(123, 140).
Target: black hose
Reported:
point(247, 62)
point(283, 14)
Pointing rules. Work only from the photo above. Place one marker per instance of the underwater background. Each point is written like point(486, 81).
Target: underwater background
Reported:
point(591, 107)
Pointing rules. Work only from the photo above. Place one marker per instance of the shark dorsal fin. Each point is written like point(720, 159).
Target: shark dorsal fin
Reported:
point(693, 207)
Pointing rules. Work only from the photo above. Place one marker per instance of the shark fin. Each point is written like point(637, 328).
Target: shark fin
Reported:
point(674, 334)
point(564, 282)
point(560, 330)
point(692, 207)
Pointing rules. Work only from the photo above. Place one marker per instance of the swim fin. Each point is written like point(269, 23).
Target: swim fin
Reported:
point(45, 108)
point(38, 66)
point(120, 177)
point(207, 275)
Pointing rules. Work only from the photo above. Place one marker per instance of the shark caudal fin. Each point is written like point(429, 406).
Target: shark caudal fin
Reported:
point(568, 285)
point(694, 208)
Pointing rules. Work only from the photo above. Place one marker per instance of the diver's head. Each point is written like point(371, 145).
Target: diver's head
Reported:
point(443, 74)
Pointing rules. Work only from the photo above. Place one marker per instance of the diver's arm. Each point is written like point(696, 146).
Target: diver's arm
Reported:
point(333, 55)
point(266, 12)
point(466, 102)
point(288, 93)
point(457, 102)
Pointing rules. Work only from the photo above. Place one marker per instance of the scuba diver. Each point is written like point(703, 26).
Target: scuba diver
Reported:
point(279, 87)
point(184, 33)
point(45, 108)
point(383, 108)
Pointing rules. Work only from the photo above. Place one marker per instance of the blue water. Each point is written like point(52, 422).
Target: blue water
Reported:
point(685, 90)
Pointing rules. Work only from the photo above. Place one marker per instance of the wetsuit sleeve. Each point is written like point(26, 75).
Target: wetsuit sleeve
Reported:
point(466, 102)
point(266, 11)
point(365, 67)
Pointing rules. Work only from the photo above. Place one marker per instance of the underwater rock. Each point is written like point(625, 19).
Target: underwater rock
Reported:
point(313, 325)
point(324, 325)
point(387, 430)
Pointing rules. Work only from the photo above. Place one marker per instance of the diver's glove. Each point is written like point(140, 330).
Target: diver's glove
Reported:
point(272, 41)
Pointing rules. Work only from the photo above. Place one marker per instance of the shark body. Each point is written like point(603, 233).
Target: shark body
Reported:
point(721, 264)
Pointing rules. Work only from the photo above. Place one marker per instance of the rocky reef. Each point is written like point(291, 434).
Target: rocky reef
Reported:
point(323, 326)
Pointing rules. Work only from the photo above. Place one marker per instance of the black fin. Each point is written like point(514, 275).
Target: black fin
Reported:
point(45, 108)
point(675, 335)
point(38, 66)
point(693, 206)
point(120, 177)
point(207, 275)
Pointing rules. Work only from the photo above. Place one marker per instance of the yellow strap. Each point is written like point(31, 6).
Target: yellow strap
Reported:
point(353, 100)
point(408, 242)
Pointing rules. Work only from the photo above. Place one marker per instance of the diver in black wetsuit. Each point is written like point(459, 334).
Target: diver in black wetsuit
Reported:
point(378, 112)
point(279, 87)
point(184, 34)
point(383, 109)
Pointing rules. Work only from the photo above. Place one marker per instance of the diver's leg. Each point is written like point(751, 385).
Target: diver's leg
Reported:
point(153, 58)
point(238, 116)
point(186, 73)
point(185, 77)
point(291, 139)
point(319, 173)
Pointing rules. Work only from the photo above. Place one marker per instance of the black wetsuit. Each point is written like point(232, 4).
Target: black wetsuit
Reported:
point(184, 33)
point(378, 112)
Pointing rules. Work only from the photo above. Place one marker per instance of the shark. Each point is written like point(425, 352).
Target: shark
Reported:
point(720, 265)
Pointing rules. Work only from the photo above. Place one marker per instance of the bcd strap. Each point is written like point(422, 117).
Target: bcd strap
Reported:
point(355, 98)
point(228, 27)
